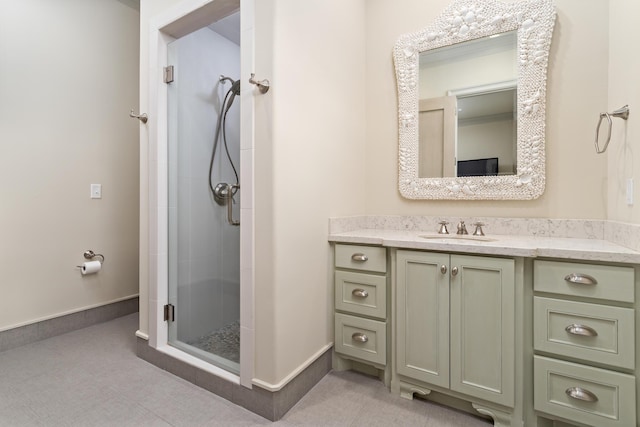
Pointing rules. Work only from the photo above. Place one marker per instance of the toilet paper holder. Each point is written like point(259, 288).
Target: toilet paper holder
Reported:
point(89, 254)
point(91, 267)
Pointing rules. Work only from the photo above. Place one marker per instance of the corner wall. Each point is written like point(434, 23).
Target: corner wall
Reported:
point(309, 145)
point(623, 154)
point(309, 166)
point(67, 83)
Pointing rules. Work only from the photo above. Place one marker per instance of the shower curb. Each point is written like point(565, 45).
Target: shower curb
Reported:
point(270, 405)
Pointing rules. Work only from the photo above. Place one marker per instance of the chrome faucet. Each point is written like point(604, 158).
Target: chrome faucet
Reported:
point(462, 229)
point(478, 231)
point(443, 227)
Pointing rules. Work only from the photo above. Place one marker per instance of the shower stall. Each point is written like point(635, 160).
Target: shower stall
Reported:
point(204, 194)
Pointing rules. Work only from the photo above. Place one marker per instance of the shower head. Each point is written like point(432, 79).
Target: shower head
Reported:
point(235, 87)
point(231, 93)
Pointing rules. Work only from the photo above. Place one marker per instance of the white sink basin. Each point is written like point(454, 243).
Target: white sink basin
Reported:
point(458, 237)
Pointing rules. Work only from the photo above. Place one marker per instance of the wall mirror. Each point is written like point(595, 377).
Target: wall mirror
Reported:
point(471, 92)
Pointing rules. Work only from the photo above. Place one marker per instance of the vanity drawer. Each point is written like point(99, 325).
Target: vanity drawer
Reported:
point(366, 258)
point(604, 282)
point(361, 338)
point(591, 332)
point(361, 293)
point(600, 398)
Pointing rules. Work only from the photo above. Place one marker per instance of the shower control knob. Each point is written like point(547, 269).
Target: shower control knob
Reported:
point(222, 192)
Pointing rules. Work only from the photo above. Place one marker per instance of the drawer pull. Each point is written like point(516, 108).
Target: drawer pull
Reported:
point(359, 337)
point(443, 269)
point(581, 279)
point(360, 293)
point(454, 271)
point(582, 330)
point(359, 257)
point(583, 394)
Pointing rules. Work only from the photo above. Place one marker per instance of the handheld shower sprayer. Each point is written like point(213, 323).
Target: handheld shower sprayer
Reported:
point(223, 193)
point(233, 91)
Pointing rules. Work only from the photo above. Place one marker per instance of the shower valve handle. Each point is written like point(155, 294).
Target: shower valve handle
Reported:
point(232, 189)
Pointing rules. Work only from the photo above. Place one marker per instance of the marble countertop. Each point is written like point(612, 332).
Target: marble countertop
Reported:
point(495, 244)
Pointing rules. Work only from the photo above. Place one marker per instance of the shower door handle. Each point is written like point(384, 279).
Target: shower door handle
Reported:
point(232, 190)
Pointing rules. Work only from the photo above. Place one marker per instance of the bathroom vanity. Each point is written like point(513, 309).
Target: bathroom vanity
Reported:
point(524, 329)
point(535, 324)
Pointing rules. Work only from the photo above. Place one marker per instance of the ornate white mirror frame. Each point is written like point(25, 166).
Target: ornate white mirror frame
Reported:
point(466, 20)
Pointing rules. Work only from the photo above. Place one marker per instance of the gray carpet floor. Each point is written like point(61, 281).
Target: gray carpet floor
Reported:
point(92, 377)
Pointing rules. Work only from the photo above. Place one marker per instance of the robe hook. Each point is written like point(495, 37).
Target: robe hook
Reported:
point(263, 85)
point(142, 117)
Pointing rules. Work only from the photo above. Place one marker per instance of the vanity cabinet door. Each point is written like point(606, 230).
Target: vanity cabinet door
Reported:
point(455, 323)
point(422, 317)
point(482, 327)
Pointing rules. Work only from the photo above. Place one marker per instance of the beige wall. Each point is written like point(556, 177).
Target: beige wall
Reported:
point(308, 167)
point(624, 88)
point(577, 91)
point(67, 83)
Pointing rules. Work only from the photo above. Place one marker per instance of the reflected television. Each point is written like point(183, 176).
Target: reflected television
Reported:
point(478, 167)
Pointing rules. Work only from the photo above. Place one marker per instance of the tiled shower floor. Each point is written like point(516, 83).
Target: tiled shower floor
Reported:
point(225, 342)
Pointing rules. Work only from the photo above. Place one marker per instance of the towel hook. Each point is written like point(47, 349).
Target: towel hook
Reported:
point(142, 117)
point(622, 113)
point(263, 85)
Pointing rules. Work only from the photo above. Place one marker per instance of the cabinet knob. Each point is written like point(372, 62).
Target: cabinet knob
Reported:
point(443, 269)
point(360, 293)
point(454, 271)
point(581, 279)
point(359, 337)
point(583, 394)
point(582, 330)
point(359, 257)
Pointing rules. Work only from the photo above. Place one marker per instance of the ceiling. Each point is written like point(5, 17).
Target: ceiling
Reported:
point(228, 27)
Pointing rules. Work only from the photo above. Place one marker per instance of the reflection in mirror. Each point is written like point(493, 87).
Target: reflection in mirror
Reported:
point(487, 129)
point(467, 106)
point(471, 102)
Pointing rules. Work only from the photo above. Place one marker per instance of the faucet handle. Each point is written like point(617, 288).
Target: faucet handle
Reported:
point(443, 227)
point(462, 229)
point(478, 231)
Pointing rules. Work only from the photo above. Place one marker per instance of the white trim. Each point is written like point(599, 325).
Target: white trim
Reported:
point(483, 89)
point(142, 335)
point(278, 386)
point(185, 17)
point(66, 313)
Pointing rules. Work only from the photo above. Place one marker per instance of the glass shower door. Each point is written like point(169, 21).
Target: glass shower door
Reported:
point(204, 247)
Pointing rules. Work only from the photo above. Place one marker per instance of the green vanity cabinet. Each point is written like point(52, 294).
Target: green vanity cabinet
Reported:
point(585, 342)
point(527, 342)
point(455, 326)
point(361, 326)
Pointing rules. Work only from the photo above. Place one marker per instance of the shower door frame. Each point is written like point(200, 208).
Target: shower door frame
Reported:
point(182, 19)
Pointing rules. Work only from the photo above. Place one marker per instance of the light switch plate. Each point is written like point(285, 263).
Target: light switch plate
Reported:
point(630, 192)
point(96, 191)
